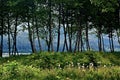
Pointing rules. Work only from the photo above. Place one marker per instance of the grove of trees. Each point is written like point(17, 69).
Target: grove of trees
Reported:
point(44, 19)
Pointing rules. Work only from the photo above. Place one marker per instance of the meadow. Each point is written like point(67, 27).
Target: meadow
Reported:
point(61, 66)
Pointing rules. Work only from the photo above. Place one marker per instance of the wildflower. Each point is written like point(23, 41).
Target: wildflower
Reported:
point(78, 65)
point(91, 64)
point(8, 61)
point(67, 78)
point(87, 66)
point(71, 74)
point(99, 62)
point(104, 65)
point(69, 65)
point(59, 66)
point(83, 66)
point(72, 65)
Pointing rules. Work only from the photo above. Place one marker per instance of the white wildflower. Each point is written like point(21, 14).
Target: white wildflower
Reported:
point(104, 65)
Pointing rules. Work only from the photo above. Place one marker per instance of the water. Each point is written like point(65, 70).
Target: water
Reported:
point(23, 44)
point(7, 55)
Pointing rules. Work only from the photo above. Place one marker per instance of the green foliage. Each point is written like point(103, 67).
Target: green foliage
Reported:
point(61, 66)
point(47, 18)
point(30, 73)
point(106, 6)
point(53, 59)
point(15, 71)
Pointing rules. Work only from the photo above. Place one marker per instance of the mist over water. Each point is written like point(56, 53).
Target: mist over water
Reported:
point(23, 44)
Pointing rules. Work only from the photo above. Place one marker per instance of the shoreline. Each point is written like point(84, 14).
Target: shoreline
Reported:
point(7, 55)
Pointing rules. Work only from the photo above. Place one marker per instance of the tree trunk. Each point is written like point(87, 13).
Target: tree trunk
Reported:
point(99, 39)
point(80, 33)
point(33, 34)
point(1, 42)
point(1, 45)
point(65, 32)
point(87, 39)
point(69, 33)
point(37, 32)
point(81, 41)
point(52, 46)
point(9, 45)
point(1, 28)
point(15, 37)
point(76, 43)
point(49, 26)
point(58, 38)
point(30, 36)
point(112, 42)
point(65, 37)
point(118, 36)
point(103, 44)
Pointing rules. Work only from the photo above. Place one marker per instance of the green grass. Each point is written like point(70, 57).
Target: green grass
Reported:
point(61, 66)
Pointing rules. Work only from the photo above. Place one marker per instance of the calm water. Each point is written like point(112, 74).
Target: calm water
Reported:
point(7, 55)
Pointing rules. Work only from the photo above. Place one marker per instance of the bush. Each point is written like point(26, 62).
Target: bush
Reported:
point(61, 66)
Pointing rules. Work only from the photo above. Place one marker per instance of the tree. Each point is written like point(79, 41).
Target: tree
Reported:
point(2, 23)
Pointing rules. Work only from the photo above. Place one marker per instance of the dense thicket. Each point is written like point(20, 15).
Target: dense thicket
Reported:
point(61, 66)
point(44, 20)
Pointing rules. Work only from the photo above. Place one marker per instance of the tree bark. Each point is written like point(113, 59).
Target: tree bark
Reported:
point(65, 32)
point(49, 26)
point(9, 45)
point(80, 33)
point(99, 39)
point(58, 38)
point(103, 44)
point(65, 38)
point(33, 33)
point(112, 42)
point(69, 28)
point(15, 37)
point(1, 42)
point(30, 36)
point(1, 27)
point(37, 32)
point(76, 43)
point(87, 38)
point(118, 36)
